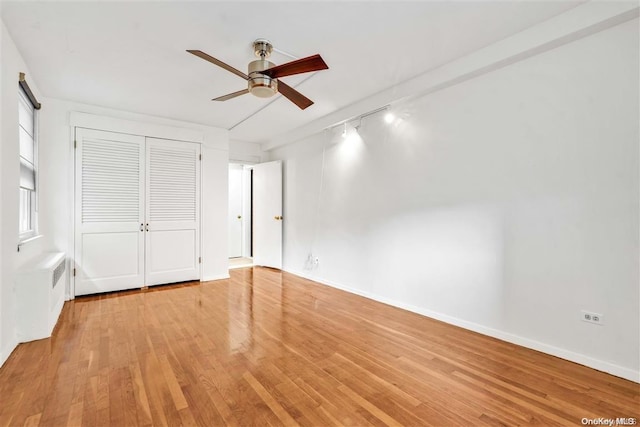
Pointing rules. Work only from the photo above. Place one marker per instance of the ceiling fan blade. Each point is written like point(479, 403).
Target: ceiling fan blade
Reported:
point(231, 95)
point(294, 96)
point(219, 63)
point(299, 66)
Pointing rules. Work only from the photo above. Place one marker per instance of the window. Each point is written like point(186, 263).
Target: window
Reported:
point(28, 166)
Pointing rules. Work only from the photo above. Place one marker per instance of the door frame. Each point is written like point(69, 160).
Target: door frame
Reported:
point(247, 230)
point(247, 206)
point(116, 125)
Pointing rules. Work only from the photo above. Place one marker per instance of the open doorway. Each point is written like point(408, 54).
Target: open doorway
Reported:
point(240, 215)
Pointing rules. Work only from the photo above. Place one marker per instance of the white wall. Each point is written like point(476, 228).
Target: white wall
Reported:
point(11, 63)
point(505, 204)
point(55, 184)
point(246, 152)
point(215, 202)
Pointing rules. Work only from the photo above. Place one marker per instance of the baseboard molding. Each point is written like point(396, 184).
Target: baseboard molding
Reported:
point(218, 277)
point(600, 365)
point(7, 350)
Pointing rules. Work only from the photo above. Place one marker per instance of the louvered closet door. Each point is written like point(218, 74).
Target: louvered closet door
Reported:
point(173, 211)
point(109, 241)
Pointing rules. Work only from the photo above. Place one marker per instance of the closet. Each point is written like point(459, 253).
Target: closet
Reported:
point(137, 211)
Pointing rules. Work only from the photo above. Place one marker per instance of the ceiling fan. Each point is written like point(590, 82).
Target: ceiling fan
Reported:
point(263, 77)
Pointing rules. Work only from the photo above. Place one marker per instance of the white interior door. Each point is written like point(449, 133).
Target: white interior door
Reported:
point(173, 211)
point(109, 238)
point(267, 214)
point(235, 211)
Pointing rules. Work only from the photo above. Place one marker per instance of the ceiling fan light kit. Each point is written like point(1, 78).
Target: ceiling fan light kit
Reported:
point(263, 75)
point(260, 84)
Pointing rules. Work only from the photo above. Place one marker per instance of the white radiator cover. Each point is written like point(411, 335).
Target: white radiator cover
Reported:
point(39, 291)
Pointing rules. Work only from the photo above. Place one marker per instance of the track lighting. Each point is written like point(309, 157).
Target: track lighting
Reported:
point(389, 118)
point(357, 128)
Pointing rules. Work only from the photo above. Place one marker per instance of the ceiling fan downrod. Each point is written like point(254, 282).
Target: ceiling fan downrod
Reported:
point(262, 48)
point(261, 85)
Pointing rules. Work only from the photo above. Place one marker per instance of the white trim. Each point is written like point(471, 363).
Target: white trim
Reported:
point(216, 277)
point(244, 159)
point(71, 290)
point(577, 23)
point(201, 214)
point(29, 239)
point(27, 236)
point(112, 124)
point(600, 365)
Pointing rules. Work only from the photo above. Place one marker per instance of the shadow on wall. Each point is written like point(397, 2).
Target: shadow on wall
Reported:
point(448, 259)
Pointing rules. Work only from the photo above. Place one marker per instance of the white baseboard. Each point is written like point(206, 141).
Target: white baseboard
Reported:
point(7, 350)
point(600, 365)
point(217, 277)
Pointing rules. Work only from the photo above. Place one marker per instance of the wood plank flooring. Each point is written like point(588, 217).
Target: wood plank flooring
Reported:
point(269, 348)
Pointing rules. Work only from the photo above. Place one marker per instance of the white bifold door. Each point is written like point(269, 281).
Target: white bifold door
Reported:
point(137, 211)
point(109, 235)
point(173, 211)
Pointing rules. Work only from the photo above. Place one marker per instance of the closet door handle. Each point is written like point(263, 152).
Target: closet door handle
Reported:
point(141, 227)
point(147, 227)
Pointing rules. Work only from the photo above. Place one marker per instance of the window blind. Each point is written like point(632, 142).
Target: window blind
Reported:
point(27, 146)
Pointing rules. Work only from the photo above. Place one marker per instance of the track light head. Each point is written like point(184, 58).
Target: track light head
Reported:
point(389, 118)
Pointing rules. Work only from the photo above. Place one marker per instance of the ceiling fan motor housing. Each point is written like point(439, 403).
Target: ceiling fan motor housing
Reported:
point(261, 85)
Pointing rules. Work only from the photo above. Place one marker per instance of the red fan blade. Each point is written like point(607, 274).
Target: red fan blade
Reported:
point(299, 66)
point(294, 96)
point(219, 63)
point(231, 95)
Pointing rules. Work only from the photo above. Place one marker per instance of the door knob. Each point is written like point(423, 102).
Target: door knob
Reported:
point(278, 217)
point(239, 216)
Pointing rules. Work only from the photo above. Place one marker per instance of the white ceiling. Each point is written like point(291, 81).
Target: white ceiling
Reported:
point(131, 55)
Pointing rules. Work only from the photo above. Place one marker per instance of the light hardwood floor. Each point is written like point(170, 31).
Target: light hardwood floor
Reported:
point(270, 348)
point(240, 262)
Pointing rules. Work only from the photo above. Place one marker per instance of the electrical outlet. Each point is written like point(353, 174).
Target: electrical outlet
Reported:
point(590, 317)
